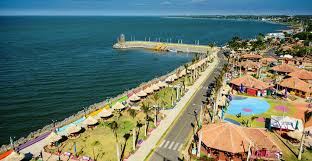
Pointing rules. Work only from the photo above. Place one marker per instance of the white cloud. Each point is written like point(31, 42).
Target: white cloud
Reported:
point(198, 1)
point(165, 3)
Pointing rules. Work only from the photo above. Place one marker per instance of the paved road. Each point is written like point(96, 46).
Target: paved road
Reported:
point(168, 149)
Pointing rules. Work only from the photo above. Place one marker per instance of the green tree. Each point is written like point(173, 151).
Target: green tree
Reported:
point(114, 127)
point(132, 113)
point(211, 45)
point(146, 109)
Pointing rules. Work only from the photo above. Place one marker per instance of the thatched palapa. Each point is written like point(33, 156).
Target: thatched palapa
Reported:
point(90, 121)
point(73, 129)
point(118, 106)
point(106, 113)
point(141, 94)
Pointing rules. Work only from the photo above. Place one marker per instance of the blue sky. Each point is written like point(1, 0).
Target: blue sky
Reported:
point(153, 7)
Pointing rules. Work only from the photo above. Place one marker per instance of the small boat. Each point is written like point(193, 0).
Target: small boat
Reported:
point(173, 50)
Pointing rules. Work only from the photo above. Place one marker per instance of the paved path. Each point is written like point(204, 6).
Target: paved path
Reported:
point(180, 131)
point(171, 145)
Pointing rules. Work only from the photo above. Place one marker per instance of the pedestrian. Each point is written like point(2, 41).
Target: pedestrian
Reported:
point(41, 156)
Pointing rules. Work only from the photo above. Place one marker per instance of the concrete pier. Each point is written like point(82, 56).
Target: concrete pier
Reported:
point(163, 46)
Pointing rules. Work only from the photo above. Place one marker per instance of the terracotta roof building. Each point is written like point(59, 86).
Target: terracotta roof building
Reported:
point(284, 68)
point(227, 137)
point(268, 60)
point(250, 65)
point(253, 57)
point(250, 82)
point(250, 85)
point(302, 74)
point(296, 86)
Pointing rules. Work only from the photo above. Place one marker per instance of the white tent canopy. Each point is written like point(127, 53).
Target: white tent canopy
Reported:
point(286, 122)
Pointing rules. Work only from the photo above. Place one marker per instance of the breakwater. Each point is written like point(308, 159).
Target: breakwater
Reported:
point(163, 46)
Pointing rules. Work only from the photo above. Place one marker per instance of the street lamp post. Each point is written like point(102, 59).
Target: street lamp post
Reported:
point(11, 142)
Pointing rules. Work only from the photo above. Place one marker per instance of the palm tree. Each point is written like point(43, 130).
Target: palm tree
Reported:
point(217, 92)
point(155, 100)
point(146, 109)
point(186, 70)
point(114, 127)
point(133, 113)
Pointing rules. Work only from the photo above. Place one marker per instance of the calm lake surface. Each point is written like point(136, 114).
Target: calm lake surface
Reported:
point(51, 67)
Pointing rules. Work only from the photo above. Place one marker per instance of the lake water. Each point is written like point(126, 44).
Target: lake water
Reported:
point(51, 67)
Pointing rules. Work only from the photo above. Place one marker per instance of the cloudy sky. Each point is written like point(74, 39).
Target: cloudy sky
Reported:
point(153, 7)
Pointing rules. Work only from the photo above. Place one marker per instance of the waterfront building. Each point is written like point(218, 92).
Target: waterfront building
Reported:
point(297, 87)
point(303, 75)
point(252, 57)
point(268, 60)
point(250, 85)
point(284, 69)
point(250, 65)
point(226, 141)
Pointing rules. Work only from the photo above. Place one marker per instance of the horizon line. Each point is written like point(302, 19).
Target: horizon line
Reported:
point(127, 15)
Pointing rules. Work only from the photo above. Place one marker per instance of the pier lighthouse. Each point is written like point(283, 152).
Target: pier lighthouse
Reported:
point(121, 42)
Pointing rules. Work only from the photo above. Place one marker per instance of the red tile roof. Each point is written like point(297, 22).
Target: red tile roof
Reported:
point(285, 68)
point(251, 56)
point(301, 74)
point(235, 139)
point(296, 83)
point(250, 64)
point(268, 60)
point(250, 82)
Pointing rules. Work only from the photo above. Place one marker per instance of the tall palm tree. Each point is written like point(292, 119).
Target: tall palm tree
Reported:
point(133, 113)
point(186, 71)
point(155, 100)
point(146, 109)
point(114, 127)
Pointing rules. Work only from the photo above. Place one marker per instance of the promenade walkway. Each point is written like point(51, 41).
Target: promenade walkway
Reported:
point(148, 145)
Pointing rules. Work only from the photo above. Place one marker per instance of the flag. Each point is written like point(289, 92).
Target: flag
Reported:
point(75, 150)
point(241, 89)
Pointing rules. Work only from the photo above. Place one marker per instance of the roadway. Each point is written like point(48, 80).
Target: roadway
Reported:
point(171, 145)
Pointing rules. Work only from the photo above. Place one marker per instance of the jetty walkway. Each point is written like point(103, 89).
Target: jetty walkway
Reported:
point(164, 46)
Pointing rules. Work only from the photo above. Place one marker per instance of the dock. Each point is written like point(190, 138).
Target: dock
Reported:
point(163, 46)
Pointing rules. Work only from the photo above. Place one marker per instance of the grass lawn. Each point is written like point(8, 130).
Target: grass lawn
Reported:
point(272, 111)
point(287, 153)
point(164, 96)
point(103, 141)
